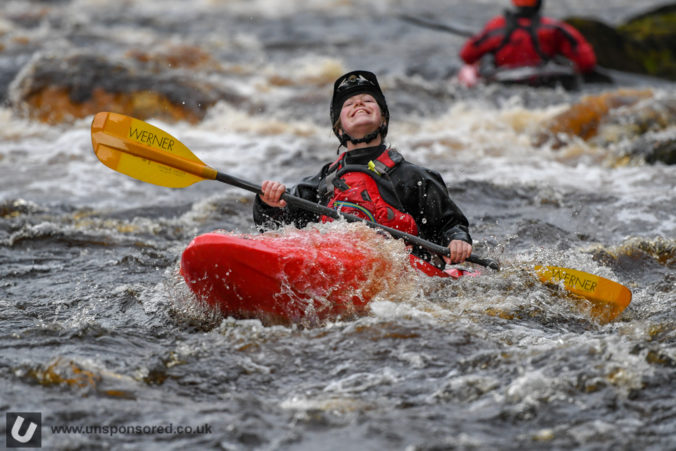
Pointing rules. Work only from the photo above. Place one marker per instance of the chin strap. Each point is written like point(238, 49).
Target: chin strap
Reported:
point(344, 138)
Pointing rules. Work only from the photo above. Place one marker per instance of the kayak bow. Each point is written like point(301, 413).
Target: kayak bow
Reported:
point(301, 276)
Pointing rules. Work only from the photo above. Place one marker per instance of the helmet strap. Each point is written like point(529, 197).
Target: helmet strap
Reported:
point(345, 138)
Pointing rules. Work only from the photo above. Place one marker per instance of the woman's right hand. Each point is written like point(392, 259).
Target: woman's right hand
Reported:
point(272, 192)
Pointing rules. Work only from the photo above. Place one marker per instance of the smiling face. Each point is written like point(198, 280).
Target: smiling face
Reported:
point(360, 115)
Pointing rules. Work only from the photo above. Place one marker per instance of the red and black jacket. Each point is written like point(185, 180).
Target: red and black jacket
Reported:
point(516, 41)
point(358, 190)
point(411, 190)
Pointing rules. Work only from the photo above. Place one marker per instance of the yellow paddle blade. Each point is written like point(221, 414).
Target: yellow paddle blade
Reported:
point(145, 152)
point(608, 298)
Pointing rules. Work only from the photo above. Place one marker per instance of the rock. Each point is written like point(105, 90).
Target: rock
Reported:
point(654, 149)
point(583, 118)
point(655, 33)
point(648, 126)
point(646, 44)
point(176, 56)
point(610, 45)
point(634, 123)
point(56, 89)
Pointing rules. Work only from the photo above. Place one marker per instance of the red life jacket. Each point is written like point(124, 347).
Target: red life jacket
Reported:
point(521, 41)
point(356, 191)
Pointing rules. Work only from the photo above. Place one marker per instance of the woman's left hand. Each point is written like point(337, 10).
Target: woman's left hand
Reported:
point(271, 193)
point(460, 251)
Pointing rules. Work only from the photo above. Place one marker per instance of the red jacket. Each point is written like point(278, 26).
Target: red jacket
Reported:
point(553, 38)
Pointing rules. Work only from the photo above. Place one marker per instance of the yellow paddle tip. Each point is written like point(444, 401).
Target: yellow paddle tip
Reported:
point(144, 152)
point(608, 299)
point(99, 121)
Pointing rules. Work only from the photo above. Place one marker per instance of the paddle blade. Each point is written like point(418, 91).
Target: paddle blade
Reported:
point(608, 298)
point(145, 152)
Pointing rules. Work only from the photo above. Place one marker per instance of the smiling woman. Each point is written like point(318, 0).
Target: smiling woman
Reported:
point(372, 181)
point(359, 118)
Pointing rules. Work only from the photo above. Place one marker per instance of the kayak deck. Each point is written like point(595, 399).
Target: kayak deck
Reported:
point(293, 277)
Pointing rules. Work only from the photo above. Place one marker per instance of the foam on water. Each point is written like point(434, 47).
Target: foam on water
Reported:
point(97, 315)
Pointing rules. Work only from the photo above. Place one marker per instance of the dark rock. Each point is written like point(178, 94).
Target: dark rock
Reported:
point(56, 89)
point(654, 150)
point(612, 47)
point(655, 33)
point(645, 44)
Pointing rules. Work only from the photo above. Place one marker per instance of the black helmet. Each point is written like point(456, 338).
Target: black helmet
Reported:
point(353, 83)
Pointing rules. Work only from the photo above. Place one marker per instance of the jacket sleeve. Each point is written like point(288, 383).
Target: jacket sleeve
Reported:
point(581, 53)
point(450, 224)
point(272, 217)
point(484, 42)
point(424, 195)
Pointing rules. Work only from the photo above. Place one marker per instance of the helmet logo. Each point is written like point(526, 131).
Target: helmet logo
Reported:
point(353, 80)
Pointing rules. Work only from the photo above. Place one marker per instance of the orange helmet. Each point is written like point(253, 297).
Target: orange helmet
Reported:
point(525, 3)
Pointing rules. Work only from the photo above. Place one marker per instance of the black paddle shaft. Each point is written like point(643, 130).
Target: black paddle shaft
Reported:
point(330, 212)
point(453, 29)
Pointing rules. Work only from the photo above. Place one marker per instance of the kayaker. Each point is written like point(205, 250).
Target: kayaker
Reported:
point(371, 180)
point(522, 37)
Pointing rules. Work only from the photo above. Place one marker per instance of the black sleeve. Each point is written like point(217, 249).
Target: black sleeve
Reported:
point(425, 196)
point(273, 217)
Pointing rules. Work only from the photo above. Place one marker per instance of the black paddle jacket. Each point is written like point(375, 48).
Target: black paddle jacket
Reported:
point(417, 191)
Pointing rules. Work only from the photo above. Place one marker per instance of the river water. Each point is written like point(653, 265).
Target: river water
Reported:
point(98, 329)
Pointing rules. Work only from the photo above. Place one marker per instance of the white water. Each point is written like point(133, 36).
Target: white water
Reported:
point(89, 282)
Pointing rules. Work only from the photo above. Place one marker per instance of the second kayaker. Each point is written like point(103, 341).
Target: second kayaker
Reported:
point(371, 180)
point(522, 37)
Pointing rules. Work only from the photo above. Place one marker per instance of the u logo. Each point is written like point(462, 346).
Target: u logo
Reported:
point(26, 436)
point(23, 429)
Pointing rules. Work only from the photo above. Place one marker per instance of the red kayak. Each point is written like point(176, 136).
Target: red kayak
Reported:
point(298, 276)
point(547, 75)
